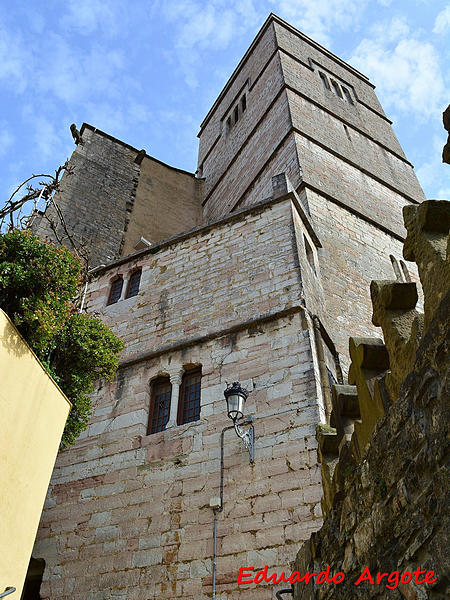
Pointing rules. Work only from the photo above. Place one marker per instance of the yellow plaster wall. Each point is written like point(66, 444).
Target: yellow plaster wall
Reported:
point(33, 411)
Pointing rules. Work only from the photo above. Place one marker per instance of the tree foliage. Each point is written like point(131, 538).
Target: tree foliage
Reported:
point(38, 283)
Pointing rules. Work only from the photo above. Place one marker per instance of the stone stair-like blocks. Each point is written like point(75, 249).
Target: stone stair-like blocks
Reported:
point(394, 310)
point(379, 368)
point(428, 244)
point(370, 361)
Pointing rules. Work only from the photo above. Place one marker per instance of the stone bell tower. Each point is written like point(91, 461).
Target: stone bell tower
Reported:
point(256, 269)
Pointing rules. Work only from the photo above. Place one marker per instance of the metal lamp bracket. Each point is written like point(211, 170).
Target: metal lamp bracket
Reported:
point(248, 437)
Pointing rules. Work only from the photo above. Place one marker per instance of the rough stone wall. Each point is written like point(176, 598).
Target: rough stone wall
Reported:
point(110, 201)
point(97, 199)
point(384, 467)
point(167, 202)
point(353, 252)
point(205, 282)
point(127, 515)
point(286, 97)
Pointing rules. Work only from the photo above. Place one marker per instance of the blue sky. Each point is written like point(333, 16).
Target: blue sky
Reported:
point(148, 71)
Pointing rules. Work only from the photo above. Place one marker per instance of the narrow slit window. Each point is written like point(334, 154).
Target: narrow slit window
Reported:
point(406, 274)
point(228, 124)
point(337, 88)
point(236, 114)
point(243, 102)
point(309, 254)
point(160, 397)
point(347, 95)
point(133, 284)
point(190, 391)
point(116, 291)
point(396, 268)
point(324, 79)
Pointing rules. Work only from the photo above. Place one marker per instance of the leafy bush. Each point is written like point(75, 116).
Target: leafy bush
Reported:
point(38, 284)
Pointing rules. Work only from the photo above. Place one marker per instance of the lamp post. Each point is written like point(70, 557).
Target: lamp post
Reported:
point(236, 396)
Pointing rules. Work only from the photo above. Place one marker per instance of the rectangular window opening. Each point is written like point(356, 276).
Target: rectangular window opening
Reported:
point(190, 392)
point(133, 284)
point(236, 115)
point(160, 397)
point(115, 291)
point(243, 103)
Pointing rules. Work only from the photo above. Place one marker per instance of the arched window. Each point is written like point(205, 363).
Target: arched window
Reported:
point(396, 268)
point(161, 393)
point(133, 284)
point(189, 401)
point(116, 290)
point(406, 274)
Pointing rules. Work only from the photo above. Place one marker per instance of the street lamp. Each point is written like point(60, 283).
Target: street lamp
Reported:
point(236, 396)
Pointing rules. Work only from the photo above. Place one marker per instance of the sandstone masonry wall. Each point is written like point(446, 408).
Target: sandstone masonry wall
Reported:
point(110, 201)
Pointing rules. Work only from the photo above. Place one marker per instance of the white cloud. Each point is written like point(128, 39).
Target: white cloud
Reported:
point(86, 16)
point(406, 69)
point(14, 61)
point(320, 19)
point(47, 142)
point(433, 173)
point(200, 27)
point(6, 139)
point(442, 22)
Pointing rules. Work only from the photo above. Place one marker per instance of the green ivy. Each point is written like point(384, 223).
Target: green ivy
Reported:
point(38, 284)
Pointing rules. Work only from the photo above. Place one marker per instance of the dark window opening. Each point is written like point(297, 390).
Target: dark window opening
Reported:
point(161, 393)
point(243, 102)
point(406, 274)
point(115, 291)
point(133, 284)
point(236, 115)
point(324, 79)
point(396, 268)
point(228, 124)
point(337, 88)
point(347, 95)
point(189, 401)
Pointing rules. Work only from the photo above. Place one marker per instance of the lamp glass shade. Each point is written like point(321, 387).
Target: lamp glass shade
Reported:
point(235, 406)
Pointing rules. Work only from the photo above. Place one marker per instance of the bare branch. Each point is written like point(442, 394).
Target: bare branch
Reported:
point(47, 186)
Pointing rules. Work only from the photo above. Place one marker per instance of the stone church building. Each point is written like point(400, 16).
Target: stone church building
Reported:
point(254, 269)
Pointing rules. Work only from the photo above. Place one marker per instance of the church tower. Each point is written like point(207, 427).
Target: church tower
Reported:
point(254, 270)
